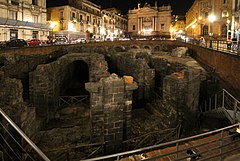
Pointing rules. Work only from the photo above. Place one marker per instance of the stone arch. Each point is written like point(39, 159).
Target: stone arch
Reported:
point(147, 47)
point(134, 47)
point(75, 78)
point(119, 48)
point(46, 80)
point(156, 48)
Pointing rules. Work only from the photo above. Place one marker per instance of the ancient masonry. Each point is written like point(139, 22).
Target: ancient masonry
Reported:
point(40, 79)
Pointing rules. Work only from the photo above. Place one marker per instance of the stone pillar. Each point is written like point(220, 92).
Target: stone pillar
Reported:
point(110, 106)
point(127, 110)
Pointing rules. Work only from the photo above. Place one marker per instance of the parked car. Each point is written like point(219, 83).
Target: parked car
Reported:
point(79, 40)
point(60, 40)
point(34, 42)
point(15, 43)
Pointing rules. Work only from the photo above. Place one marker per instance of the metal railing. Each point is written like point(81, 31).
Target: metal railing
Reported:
point(225, 102)
point(232, 47)
point(214, 144)
point(72, 100)
point(12, 145)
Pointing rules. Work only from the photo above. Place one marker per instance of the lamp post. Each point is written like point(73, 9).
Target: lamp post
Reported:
point(211, 19)
point(228, 22)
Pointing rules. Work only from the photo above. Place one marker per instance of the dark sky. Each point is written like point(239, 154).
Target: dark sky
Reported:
point(178, 6)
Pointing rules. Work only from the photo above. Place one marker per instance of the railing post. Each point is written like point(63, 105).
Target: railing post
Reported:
point(24, 136)
point(205, 106)
point(177, 146)
point(215, 104)
point(235, 112)
point(217, 44)
point(221, 144)
point(223, 100)
point(210, 104)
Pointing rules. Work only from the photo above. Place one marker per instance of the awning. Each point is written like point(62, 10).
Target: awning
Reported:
point(24, 24)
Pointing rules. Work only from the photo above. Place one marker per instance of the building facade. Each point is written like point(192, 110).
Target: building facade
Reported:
point(25, 19)
point(114, 25)
point(235, 26)
point(150, 21)
point(77, 19)
point(178, 26)
point(207, 17)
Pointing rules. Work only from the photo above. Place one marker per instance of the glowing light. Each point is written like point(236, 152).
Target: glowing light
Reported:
point(212, 18)
point(102, 31)
point(53, 24)
point(193, 26)
point(71, 27)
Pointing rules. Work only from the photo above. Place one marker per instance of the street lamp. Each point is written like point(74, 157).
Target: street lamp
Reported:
point(211, 19)
point(228, 22)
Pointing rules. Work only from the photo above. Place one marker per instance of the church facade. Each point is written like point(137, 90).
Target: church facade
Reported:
point(150, 21)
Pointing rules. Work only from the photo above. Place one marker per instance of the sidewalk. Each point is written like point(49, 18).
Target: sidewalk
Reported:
point(235, 157)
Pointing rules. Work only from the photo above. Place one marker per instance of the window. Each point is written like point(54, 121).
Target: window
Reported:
point(35, 2)
point(225, 13)
point(205, 30)
point(162, 26)
point(35, 34)
point(13, 34)
point(206, 14)
point(14, 2)
point(48, 16)
point(81, 17)
point(224, 1)
point(61, 15)
point(133, 27)
point(88, 18)
point(35, 19)
point(13, 15)
point(73, 15)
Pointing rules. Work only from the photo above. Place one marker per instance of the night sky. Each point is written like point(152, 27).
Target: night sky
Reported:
point(179, 7)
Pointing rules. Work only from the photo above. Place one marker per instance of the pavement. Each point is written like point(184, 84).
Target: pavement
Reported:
point(235, 157)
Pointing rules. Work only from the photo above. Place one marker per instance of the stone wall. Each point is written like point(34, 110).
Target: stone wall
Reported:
point(111, 110)
point(46, 81)
point(11, 102)
point(127, 63)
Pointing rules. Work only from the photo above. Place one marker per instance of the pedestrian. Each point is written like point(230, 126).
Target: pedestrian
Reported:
point(202, 41)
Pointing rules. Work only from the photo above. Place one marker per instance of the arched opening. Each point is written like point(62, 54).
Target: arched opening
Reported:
point(146, 47)
point(224, 30)
point(77, 74)
point(205, 30)
point(73, 104)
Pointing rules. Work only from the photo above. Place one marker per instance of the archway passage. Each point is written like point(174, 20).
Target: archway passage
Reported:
point(77, 74)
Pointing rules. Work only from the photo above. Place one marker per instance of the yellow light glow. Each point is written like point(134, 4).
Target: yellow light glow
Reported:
point(102, 31)
point(71, 27)
point(212, 18)
point(53, 24)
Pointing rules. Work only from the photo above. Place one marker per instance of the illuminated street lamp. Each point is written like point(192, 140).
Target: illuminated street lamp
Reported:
point(228, 22)
point(211, 19)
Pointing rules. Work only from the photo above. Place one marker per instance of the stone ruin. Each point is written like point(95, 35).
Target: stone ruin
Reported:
point(167, 84)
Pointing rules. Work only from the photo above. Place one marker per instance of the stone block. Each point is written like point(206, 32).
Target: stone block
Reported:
point(128, 79)
point(93, 87)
